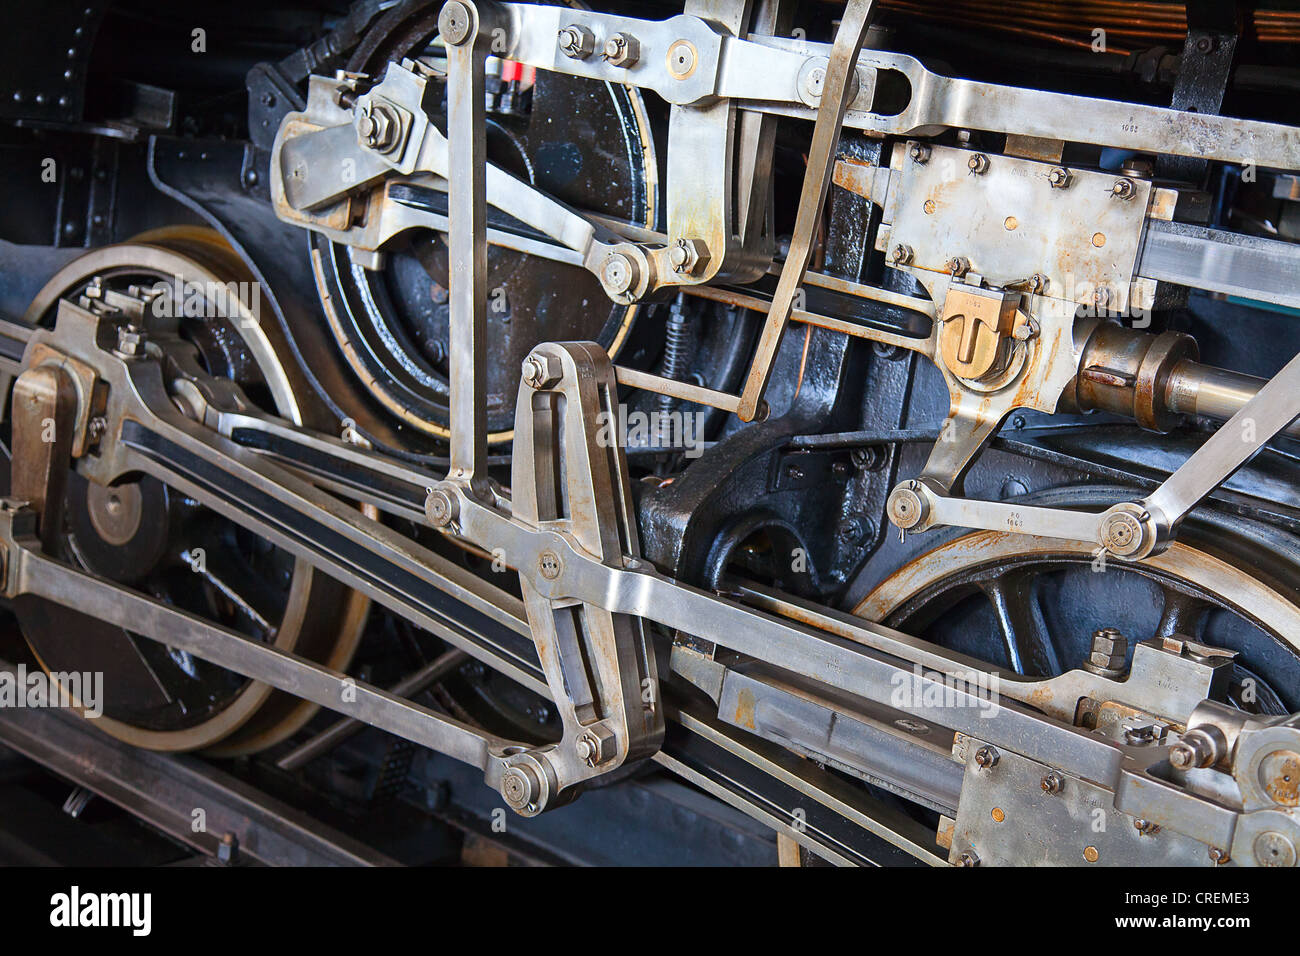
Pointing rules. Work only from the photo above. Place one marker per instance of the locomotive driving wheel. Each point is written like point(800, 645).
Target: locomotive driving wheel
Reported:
point(1030, 605)
point(153, 538)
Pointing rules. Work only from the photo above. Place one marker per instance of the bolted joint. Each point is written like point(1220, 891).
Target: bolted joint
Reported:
point(595, 746)
point(919, 153)
point(1052, 782)
point(900, 255)
point(986, 758)
point(1058, 177)
point(1108, 653)
point(441, 508)
point(619, 274)
point(542, 371)
point(958, 266)
point(622, 49)
point(130, 342)
point(378, 127)
point(1197, 748)
point(1127, 531)
point(969, 858)
point(576, 41)
point(908, 507)
point(1123, 189)
point(456, 22)
point(978, 164)
point(520, 788)
point(688, 255)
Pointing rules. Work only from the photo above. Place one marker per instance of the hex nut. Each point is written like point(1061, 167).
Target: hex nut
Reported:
point(978, 164)
point(919, 153)
point(1108, 653)
point(540, 370)
point(688, 255)
point(576, 41)
point(622, 49)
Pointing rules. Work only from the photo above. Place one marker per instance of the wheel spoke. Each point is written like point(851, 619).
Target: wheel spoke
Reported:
point(1182, 613)
point(1029, 646)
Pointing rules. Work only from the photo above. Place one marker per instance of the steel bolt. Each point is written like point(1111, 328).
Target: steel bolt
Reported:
point(969, 858)
point(1052, 782)
point(1219, 856)
point(986, 758)
point(1108, 653)
point(978, 164)
point(919, 153)
point(577, 42)
point(1058, 177)
point(1145, 827)
point(958, 266)
point(541, 371)
point(1196, 749)
point(900, 255)
point(622, 49)
point(687, 255)
point(1123, 189)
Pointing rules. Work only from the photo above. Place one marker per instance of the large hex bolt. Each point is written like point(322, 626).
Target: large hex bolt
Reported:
point(594, 746)
point(1058, 177)
point(1108, 653)
point(978, 164)
point(378, 127)
point(576, 41)
point(622, 49)
point(688, 255)
point(541, 370)
point(1197, 748)
point(986, 758)
point(1123, 189)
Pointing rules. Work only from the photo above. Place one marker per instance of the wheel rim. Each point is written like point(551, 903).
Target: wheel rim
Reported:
point(245, 582)
point(1037, 600)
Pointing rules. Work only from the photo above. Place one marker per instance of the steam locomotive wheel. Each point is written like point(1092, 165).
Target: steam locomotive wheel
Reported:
point(1030, 604)
point(153, 538)
point(587, 144)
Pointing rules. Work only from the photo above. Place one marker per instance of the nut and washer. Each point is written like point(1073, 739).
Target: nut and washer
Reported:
point(900, 255)
point(541, 371)
point(1052, 782)
point(622, 49)
point(576, 41)
point(919, 153)
point(978, 164)
point(1058, 177)
point(1123, 189)
point(958, 266)
point(687, 255)
point(986, 758)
